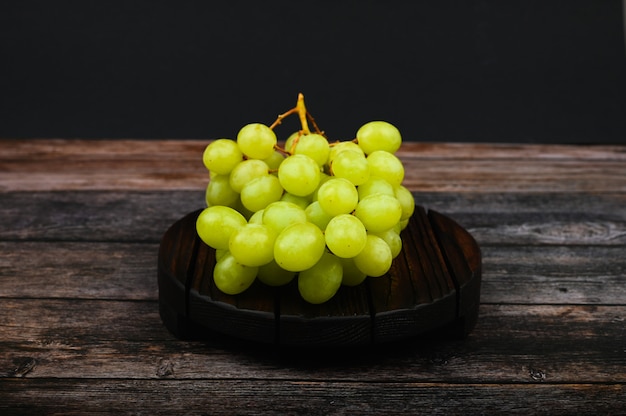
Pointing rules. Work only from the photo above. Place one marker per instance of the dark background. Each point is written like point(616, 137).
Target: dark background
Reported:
point(484, 70)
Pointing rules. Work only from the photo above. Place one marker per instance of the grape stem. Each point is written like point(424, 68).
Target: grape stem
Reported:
point(301, 108)
point(303, 115)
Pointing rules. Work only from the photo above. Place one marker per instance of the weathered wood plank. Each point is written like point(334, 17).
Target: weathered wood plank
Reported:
point(144, 216)
point(93, 216)
point(511, 274)
point(227, 397)
point(64, 149)
point(554, 275)
point(125, 340)
point(75, 165)
point(78, 270)
point(421, 175)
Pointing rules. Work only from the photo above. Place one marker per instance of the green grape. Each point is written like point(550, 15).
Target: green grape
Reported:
point(338, 196)
point(290, 140)
point(393, 240)
point(257, 217)
point(407, 202)
point(243, 210)
point(299, 175)
point(216, 224)
point(232, 277)
point(404, 223)
point(280, 214)
point(336, 148)
point(375, 258)
point(323, 179)
point(301, 201)
point(378, 135)
point(316, 215)
point(387, 166)
point(352, 166)
point(275, 159)
point(260, 192)
point(313, 145)
point(345, 235)
point(273, 275)
point(252, 245)
point(220, 253)
point(245, 172)
point(219, 192)
point(299, 246)
point(221, 156)
point(256, 140)
point(352, 276)
point(375, 185)
point(378, 212)
point(321, 281)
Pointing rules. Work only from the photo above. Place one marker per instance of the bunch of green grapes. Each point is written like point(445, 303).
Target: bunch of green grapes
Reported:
point(323, 213)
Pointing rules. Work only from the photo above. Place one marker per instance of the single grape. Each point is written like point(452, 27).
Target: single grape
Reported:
point(220, 253)
point(345, 235)
point(257, 217)
point(320, 282)
point(387, 166)
point(275, 159)
point(316, 215)
point(338, 196)
point(324, 177)
point(256, 140)
point(243, 210)
point(280, 214)
point(247, 170)
point(375, 185)
point(219, 192)
point(393, 240)
point(260, 192)
point(378, 212)
point(216, 224)
point(336, 148)
point(379, 135)
point(252, 245)
point(301, 201)
point(313, 145)
point(352, 166)
point(375, 258)
point(232, 277)
point(299, 175)
point(273, 275)
point(221, 156)
point(407, 202)
point(352, 276)
point(299, 246)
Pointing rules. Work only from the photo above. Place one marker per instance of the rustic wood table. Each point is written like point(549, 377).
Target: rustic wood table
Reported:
point(80, 332)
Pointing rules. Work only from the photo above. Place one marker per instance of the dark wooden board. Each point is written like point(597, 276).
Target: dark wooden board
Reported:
point(433, 283)
point(288, 397)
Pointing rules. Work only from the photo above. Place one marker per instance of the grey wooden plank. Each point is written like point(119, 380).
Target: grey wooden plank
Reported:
point(66, 339)
point(109, 270)
point(79, 270)
point(144, 216)
point(227, 397)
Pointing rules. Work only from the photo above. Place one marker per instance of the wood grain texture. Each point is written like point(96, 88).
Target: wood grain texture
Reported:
point(80, 227)
point(176, 165)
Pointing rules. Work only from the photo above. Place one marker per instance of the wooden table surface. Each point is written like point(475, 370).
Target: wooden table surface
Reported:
point(80, 332)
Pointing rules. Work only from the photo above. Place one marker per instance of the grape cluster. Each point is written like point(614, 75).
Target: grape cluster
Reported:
point(325, 213)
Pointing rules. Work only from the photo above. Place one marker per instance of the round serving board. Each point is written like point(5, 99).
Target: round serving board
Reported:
point(433, 283)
